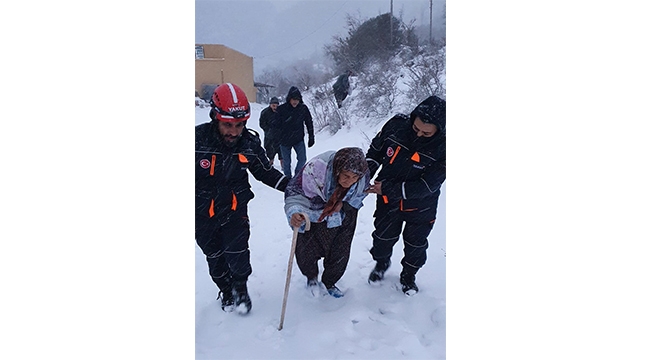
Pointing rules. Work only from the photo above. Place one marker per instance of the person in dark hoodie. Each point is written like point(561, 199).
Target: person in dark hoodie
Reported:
point(225, 151)
point(411, 152)
point(342, 87)
point(293, 117)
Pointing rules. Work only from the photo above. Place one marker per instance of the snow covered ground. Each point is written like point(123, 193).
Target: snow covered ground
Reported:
point(368, 323)
point(547, 219)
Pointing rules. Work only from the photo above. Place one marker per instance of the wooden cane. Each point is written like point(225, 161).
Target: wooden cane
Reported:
point(290, 266)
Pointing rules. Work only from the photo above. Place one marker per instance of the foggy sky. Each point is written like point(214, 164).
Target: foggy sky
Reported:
point(277, 32)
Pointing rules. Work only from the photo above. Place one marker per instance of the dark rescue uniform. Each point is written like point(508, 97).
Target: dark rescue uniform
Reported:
point(222, 192)
point(412, 172)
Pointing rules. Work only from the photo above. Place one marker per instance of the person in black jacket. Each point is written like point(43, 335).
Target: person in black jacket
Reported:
point(411, 153)
point(293, 116)
point(268, 123)
point(342, 87)
point(224, 151)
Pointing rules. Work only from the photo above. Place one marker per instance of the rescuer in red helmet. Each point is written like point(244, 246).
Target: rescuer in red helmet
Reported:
point(224, 151)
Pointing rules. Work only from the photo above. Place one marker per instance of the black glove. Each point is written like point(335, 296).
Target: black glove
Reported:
point(311, 141)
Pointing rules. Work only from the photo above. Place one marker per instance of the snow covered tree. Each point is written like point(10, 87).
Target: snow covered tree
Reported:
point(368, 41)
point(426, 74)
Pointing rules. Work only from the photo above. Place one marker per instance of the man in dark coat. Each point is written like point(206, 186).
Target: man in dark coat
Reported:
point(411, 153)
point(342, 87)
point(224, 151)
point(269, 123)
point(293, 117)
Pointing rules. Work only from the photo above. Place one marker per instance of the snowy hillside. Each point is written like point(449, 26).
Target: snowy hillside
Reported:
point(368, 323)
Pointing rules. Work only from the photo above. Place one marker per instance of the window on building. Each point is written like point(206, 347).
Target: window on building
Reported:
point(198, 50)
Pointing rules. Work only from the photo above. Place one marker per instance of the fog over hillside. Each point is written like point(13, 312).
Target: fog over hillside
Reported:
point(277, 32)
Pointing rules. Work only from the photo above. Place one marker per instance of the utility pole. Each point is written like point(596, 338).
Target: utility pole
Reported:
point(391, 22)
point(430, 21)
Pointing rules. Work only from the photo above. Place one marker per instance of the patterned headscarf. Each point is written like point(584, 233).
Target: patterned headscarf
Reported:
point(350, 159)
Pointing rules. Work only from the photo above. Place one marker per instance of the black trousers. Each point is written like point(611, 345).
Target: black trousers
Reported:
point(333, 245)
point(390, 223)
point(272, 148)
point(224, 241)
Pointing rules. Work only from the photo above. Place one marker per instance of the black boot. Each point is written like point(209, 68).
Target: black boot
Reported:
point(407, 279)
point(227, 300)
point(225, 294)
point(377, 273)
point(243, 303)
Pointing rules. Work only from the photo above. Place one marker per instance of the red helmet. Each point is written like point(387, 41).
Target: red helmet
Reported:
point(230, 103)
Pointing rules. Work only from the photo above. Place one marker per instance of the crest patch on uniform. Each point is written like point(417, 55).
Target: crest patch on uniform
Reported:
point(205, 163)
point(390, 152)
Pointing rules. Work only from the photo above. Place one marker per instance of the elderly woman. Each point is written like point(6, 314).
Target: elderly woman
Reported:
point(330, 189)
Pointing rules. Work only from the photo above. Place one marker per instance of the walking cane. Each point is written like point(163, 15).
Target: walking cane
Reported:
point(293, 250)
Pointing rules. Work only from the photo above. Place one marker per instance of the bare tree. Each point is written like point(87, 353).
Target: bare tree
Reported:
point(276, 78)
point(377, 88)
point(303, 75)
point(324, 110)
point(340, 50)
point(426, 74)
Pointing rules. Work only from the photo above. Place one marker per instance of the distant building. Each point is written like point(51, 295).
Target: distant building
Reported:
point(217, 64)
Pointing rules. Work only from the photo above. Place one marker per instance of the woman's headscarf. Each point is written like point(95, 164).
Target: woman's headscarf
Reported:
point(350, 159)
